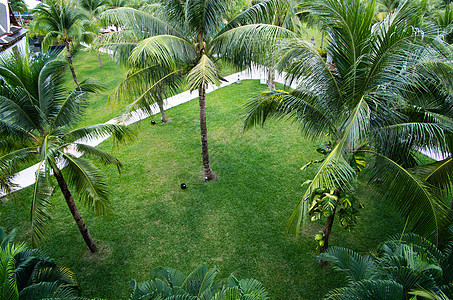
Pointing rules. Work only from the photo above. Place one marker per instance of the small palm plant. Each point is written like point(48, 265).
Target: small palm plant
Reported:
point(404, 265)
point(36, 110)
point(30, 274)
point(168, 283)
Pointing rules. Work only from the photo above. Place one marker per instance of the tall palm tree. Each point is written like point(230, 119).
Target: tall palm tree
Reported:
point(59, 20)
point(18, 5)
point(93, 8)
point(387, 97)
point(36, 110)
point(281, 13)
point(176, 40)
point(182, 38)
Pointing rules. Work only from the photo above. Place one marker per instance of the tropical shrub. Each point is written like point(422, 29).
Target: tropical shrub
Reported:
point(30, 274)
point(168, 283)
point(403, 266)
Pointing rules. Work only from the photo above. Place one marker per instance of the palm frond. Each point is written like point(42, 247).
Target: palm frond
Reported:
point(417, 243)
point(147, 86)
point(119, 132)
point(167, 50)
point(70, 107)
point(252, 289)
point(296, 105)
point(205, 16)
point(356, 127)
point(199, 281)
point(120, 42)
point(414, 199)
point(406, 137)
point(203, 73)
point(173, 277)
point(49, 39)
point(47, 290)
point(368, 289)
point(262, 12)
point(9, 165)
point(88, 182)
point(356, 267)
point(140, 22)
point(8, 283)
point(7, 238)
point(61, 275)
point(99, 155)
point(246, 44)
point(39, 212)
point(16, 115)
point(438, 174)
point(430, 295)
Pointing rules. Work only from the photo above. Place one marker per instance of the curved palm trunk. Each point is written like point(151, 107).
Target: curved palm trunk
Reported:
point(69, 58)
point(329, 223)
point(74, 210)
point(99, 59)
point(207, 171)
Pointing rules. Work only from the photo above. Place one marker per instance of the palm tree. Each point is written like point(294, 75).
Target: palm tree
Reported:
point(176, 41)
point(37, 110)
point(168, 283)
point(18, 5)
point(280, 13)
point(30, 274)
point(405, 265)
point(182, 38)
point(93, 9)
point(386, 97)
point(59, 20)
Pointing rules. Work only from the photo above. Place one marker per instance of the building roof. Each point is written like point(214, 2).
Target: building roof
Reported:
point(10, 30)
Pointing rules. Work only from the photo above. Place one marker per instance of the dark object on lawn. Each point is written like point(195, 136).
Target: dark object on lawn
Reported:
point(153, 122)
point(183, 186)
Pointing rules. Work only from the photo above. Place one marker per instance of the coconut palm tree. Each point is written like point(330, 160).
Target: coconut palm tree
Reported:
point(182, 38)
point(386, 97)
point(168, 283)
point(36, 110)
point(18, 5)
point(60, 21)
point(281, 13)
point(404, 265)
point(93, 8)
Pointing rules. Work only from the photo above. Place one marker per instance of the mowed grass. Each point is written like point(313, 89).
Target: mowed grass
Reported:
point(236, 223)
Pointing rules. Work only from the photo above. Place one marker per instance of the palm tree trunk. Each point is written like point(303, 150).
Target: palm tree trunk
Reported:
point(74, 210)
point(68, 56)
point(271, 81)
point(99, 59)
point(322, 40)
point(207, 171)
point(162, 111)
point(329, 224)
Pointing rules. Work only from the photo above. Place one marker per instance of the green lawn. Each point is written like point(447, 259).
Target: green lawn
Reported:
point(235, 223)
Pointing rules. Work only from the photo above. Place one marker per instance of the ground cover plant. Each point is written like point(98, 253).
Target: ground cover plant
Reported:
point(236, 224)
